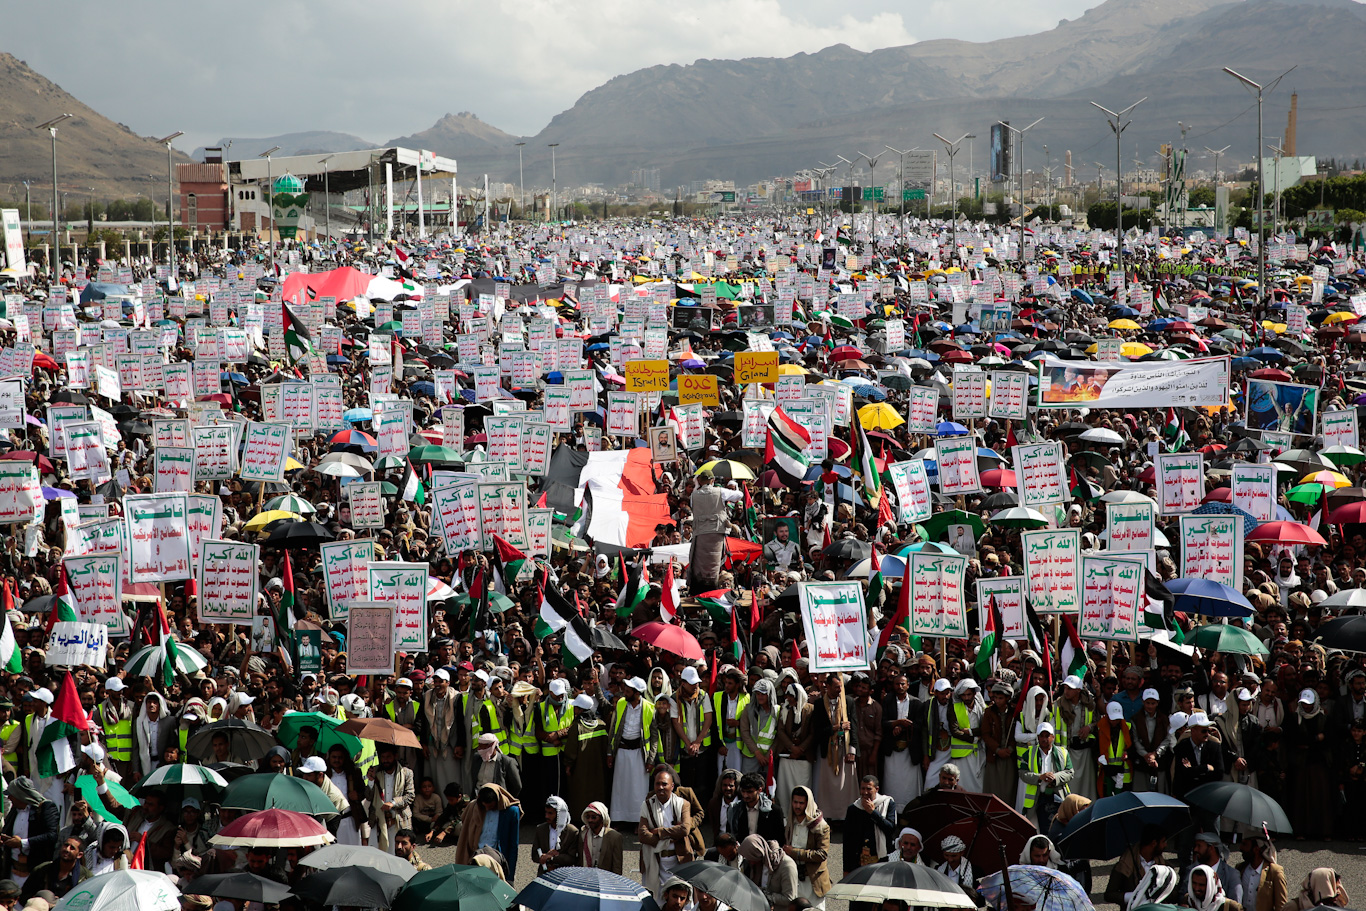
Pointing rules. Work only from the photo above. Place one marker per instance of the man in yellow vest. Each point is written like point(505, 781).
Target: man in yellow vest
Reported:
point(11, 736)
point(552, 719)
point(404, 709)
point(1114, 742)
point(1046, 770)
point(728, 704)
point(115, 716)
point(632, 728)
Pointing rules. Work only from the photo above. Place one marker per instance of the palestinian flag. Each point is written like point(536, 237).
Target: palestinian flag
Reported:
point(786, 441)
point(737, 645)
point(751, 516)
point(1072, 652)
point(298, 341)
point(1175, 431)
point(633, 591)
point(11, 659)
point(1159, 608)
point(68, 719)
point(718, 606)
point(284, 617)
point(668, 601)
point(902, 618)
point(64, 608)
point(986, 647)
point(867, 466)
point(558, 615)
point(412, 490)
point(402, 256)
point(876, 583)
point(509, 560)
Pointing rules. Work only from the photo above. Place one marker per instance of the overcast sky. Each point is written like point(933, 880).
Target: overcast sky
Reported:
point(381, 70)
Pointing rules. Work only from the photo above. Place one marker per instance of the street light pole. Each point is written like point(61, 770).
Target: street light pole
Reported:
point(901, 191)
point(1019, 147)
point(270, 204)
point(821, 174)
point(56, 255)
point(170, 206)
point(1261, 177)
point(1115, 120)
point(1276, 191)
point(521, 181)
point(327, 197)
point(872, 189)
point(554, 183)
point(1216, 153)
point(952, 147)
point(970, 137)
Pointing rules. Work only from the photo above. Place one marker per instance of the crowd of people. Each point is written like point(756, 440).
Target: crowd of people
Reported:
point(740, 752)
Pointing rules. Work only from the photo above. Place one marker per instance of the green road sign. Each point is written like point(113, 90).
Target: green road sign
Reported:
point(909, 195)
point(871, 193)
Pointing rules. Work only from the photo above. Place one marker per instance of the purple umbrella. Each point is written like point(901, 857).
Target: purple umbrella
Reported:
point(53, 493)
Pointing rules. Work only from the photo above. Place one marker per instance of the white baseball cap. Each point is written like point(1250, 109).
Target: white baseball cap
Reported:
point(1198, 720)
point(113, 685)
point(1045, 728)
point(312, 765)
point(1073, 681)
point(1114, 711)
point(690, 675)
point(443, 674)
point(1177, 720)
point(942, 684)
point(483, 675)
point(1150, 693)
point(43, 694)
point(584, 702)
point(559, 686)
point(636, 684)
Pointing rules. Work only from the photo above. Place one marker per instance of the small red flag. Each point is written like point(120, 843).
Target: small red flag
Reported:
point(139, 858)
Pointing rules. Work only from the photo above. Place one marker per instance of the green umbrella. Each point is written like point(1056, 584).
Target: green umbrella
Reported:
point(433, 453)
point(328, 733)
point(498, 602)
point(392, 326)
point(1230, 640)
point(1091, 459)
point(455, 887)
point(270, 791)
point(1308, 494)
point(90, 793)
point(938, 524)
point(1343, 455)
point(290, 503)
point(388, 490)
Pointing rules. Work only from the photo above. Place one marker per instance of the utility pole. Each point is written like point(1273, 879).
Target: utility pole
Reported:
point(56, 254)
point(554, 183)
point(270, 204)
point(952, 147)
point(1019, 155)
point(1119, 125)
point(521, 181)
point(327, 196)
point(1216, 153)
point(170, 207)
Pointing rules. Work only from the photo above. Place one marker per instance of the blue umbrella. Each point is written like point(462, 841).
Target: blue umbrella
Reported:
point(781, 335)
point(1205, 596)
point(1250, 522)
point(1246, 363)
point(425, 387)
point(1267, 354)
point(1123, 312)
point(337, 359)
point(1082, 296)
point(237, 378)
point(1110, 825)
point(814, 472)
point(598, 346)
point(358, 414)
point(1160, 323)
point(949, 429)
point(585, 889)
point(555, 378)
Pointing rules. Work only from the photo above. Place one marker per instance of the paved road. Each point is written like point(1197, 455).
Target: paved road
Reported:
point(1298, 858)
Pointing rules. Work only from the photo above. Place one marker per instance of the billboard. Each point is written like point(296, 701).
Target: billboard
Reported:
point(1000, 153)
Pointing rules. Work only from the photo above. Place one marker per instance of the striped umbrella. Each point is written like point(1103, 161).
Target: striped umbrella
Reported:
point(291, 503)
point(584, 889)
point(193, 780)
point(273, 829)
point(148, 662)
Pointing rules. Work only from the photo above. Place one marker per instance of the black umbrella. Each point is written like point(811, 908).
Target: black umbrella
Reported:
point(1239, 803)
point(1345, 633)
point(1002, 499)
point(603, 637)
point(914, 884)
point(849, 549)
point(299, 534)
point(245, 886)
point(725, 884)
point(70, 397)
point(362, 887)
point(246, 741)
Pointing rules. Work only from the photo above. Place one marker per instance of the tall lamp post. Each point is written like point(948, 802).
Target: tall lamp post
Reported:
point(1261, 177)
point(821, 173)
point(1019, 147)
point(952, 147)
point(327, 197)
point(521, 181)
point(1119, 125)
point(1216, 153)
point(901, 190)
point(554, 183)
point(872, 182)
point(270, 204)
point(170, 204)
point(56, 255)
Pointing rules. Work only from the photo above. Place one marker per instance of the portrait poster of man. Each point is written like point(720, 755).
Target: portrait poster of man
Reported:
point(1282, 407)
point(782, 544)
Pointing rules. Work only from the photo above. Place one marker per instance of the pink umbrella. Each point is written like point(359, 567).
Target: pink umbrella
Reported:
point(1286, 533)
point(1001, 348)
point(670, 638)
point(280, 828)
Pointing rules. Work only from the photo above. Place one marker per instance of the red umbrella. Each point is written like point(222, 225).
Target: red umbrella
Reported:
point(1286, 533)
point(845, 352)
point(276, 829)
point(221, 398)
point(345, 436)
point(1180, 325)
point(1270, 373)
point(999, 477)
point(670, 638)
point(1148, 475)
point(984, 822)
point(956, 356)
point(1219, 495)
point(1348, 513)
point(44, 361)
point(1212, 448)
point(25, 455)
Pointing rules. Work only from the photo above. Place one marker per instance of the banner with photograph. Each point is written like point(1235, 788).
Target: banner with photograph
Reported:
point(1133, 384)
point(1282, 407)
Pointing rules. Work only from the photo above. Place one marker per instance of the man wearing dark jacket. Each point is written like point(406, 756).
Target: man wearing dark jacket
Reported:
point(902, 745)
point(870, 827)
point(35, 815)
point(1196, 760)
point(755, 814)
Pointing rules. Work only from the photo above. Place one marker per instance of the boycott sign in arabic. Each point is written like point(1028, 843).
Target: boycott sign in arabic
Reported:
point(922, 410)
point(204, 519)
point(267, 448)
point(158, 537)
point(969, 394)
point(1009, 593)
point(1009, 395)
point(1339, 428)
point(502, 512)
point(1111, 591)
point(96, 585)
point(937, 595)
point(756, 367)
point(227, 581)
point(912, 486)
point(1212, 548)
point(1040, 474)
point(1253, 488)
point(346, 574)
point(370, 638)
point(622, 411)
point(1129, 527)
point(215, 455)
point(1052, 565)
point(77, 645)
point(86, 457)
point(367, 504)
point(173, 467)
point(835, 624)
point(647, 376)
point(1180, 482)
point(1133, 384)
point(957, 461)
point(456, 510)
point(404, 585)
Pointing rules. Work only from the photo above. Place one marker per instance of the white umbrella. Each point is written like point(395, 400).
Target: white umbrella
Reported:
point(1102, 435)
point(1348, 597)
point(337, 470)
point(123, 890)
point(347, 458)
point(148, 661)
point(1126, 496)
point(331, 856)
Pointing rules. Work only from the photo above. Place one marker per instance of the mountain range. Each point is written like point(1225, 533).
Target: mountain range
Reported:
point(761, 117)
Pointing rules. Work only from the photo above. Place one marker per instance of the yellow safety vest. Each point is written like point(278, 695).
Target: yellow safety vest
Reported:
point(701, 703)
point(1088, 718)
point(118, 737)
point(718, 701)
point(495, 725)
point(12, 757)
point(647, 719)
point(553, 722)
point(1117, 754)
point(586, 733)
point(184, 735)
point(958, 747)
point(763, 738)
point(1032, 763)
point(389, 709)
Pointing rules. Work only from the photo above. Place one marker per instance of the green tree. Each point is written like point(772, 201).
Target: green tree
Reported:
point(1199, 197)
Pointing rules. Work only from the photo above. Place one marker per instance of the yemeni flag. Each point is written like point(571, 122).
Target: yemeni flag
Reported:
point(413, 491)
point(876, 583)
point(902, 618)
point(10, 657)
point(867, 466)
point(632, 592)
point(668, 601)
point(509, 562)
point(786, 441)
point(68, 719)
point(284, 616)
point(64, 608)
point(560, 616)
point(1038, 640)
point(298, 341)
point(986, 647)
point(1073, 651)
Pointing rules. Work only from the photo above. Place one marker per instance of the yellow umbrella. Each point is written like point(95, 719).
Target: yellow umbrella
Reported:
point(1277, 328)
point(1342, 316)
point(1124, 324)
point(879, 416)
point(791, 370)
point(292, 463)
point(262, 519)
point(1327, 478)
point(1134, 349)
point(727, 470)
